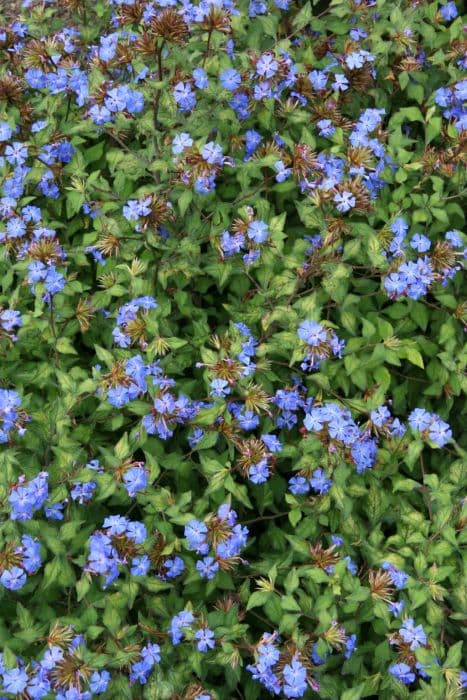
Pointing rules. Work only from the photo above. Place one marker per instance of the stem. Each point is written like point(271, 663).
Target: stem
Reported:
point(68, 105)
point(157, 99)
point(208, 48)
point(160, 77)
point(425, 490)
point(54, 331)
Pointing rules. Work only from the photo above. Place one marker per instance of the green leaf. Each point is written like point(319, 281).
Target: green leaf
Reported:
point(304, 16)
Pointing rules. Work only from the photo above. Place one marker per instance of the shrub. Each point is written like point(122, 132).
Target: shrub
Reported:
point(232, 363)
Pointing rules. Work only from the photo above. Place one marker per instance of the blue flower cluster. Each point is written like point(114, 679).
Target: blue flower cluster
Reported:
point(257, 457)
point(198, 166)
point(116, 544)
point(287, 123)
point(321, 343)
point(133, 474)
point(26, 497)
point(128, 380)
point(336, 429)
point(60, 80)
point(10, 320)
point(136, 209)
point(51, 278)
point(181, 626)
point(289, 401)
point(122, 99)
point(287, 671)
point(168, 411)
point(414, 279)
point(26, 235)
point(130, 327)
point(431, 426)
point(141, 669)
point(219, 534)
point(125, 542)
point(318, 481)
point(248, 235)
point(12, 418)
point(82, 492)
point(48, 677)
point(17, 564)
point(383, 423)
point(453, 99)
point(409, 638)
point(54, 155)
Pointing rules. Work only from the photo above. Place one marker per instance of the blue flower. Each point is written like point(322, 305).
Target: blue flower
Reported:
point(136, 531)
point(174, 567)
point(420, 243)
point(326, 127)
point(15, 680)
point(151, 654)
point(298, 485)
point(212, 153)
point(282, 171)
point(396, 608)
point(83, 492)
point(230, 79)
point(28, 497)
point(398, 577)
point(415, 636)
point(140, 565)
point(266, 65)
point(340, 83)
point(5, 131)
point(454, 239)
point(181, 142)
point(30, 554)
point(443, 97)
point(258, 231)
point(272, 443)
point(10, 319)
point(350, 646)
point(16, 153)
point(13, 578)
point(184, 96)
point(351, 565)
point(318, 79)
point(135, 479)
point(219, 387)
point(205, 639)
point(312, 333)
point(55, 511)
point(295, 682)
point(259, 473)
point(99, 681)
point(195, 533)
point(419, 419)
point(207, 567)
point(344, 201)
point(239, 103)
point(183, 620)
point(403, 673)
point(200, 78)
point(449, 11)
point(116, 524)
point(439, 432)
point(319, 482)
point(108, 47)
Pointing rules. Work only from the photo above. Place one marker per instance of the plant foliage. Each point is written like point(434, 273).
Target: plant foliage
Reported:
point(232, 361)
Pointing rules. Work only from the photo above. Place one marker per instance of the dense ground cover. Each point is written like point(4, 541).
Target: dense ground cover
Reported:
point(232, 362)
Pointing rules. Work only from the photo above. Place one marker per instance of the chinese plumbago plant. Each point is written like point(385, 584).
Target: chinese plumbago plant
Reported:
point(232, 362)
